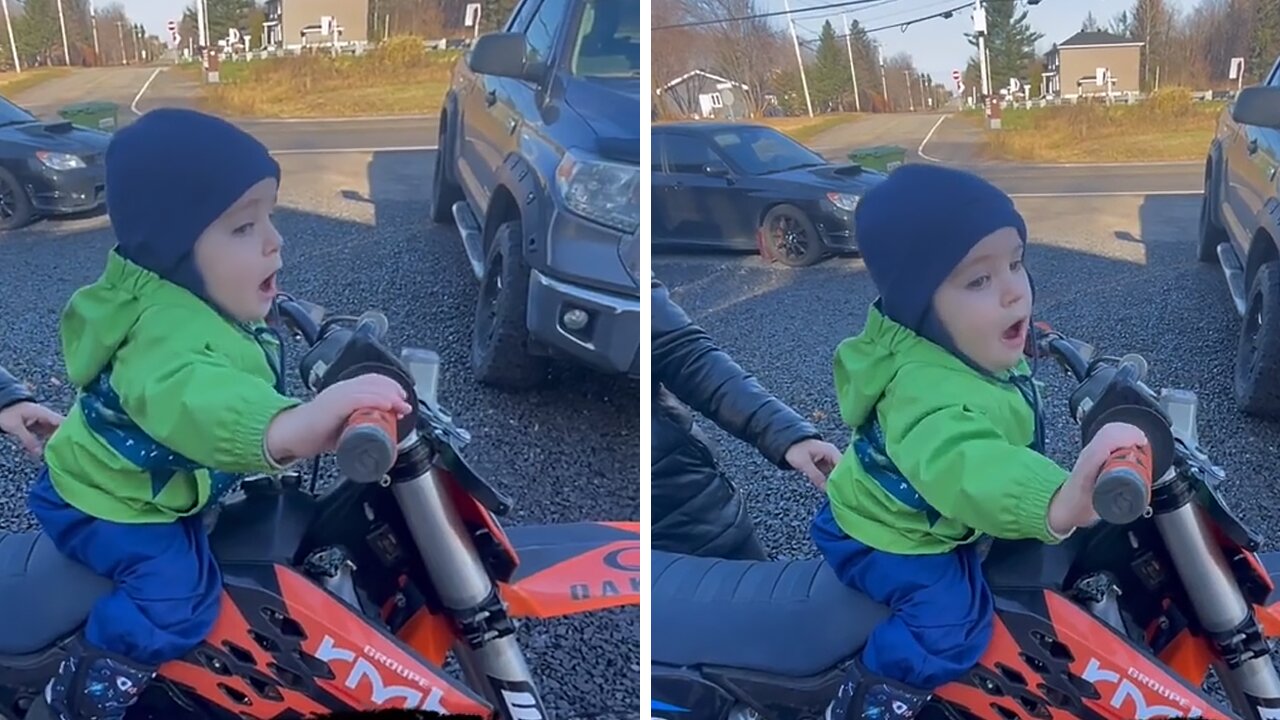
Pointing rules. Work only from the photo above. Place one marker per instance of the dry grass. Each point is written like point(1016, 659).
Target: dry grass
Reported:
point(12, 83)
point(805, 128)
point(1168, 127)
point(399, 78)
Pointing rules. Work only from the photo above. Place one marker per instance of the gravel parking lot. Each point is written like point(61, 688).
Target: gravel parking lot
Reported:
point(1118, 272)
point(357, 237)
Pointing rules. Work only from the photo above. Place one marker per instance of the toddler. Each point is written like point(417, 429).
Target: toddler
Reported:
point(947, 443)
point(180, 395)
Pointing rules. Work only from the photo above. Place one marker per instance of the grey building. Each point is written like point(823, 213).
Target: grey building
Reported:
point(298, 23)
point(1071, 66)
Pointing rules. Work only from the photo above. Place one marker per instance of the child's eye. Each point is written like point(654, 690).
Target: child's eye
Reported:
point(243, 228)
point(1016, 265)
point(977, 283)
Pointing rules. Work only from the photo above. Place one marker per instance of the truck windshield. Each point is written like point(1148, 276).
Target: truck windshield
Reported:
point(608, 40)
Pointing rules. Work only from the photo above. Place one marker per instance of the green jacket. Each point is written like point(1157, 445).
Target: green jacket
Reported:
point(940, 454)
point(174, 399)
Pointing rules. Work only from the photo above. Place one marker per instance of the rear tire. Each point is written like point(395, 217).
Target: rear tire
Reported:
point(1211, 233)
point(444, 191)
point(1257, 371)
point(500, 353)
point(16, 211)
point(788, 235)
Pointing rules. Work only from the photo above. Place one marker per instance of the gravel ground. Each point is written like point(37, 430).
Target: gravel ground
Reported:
point(1119, 273)
point(566, 454)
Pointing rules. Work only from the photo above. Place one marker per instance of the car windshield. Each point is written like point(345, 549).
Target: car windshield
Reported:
point(760, 151)
point(608, 41)
point(11, 114)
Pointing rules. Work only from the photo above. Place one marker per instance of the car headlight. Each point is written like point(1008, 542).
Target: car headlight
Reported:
point(629, 253)
point(606, 192)
point(845, 201)
point(59, 161)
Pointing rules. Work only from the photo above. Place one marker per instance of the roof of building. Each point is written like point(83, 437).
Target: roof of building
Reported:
point(1096, 37)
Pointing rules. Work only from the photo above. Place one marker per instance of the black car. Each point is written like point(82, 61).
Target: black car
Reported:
point(739, 186)
point(47, 168)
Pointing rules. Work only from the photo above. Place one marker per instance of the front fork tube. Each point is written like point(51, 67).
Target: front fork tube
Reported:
point(489, 653)
point(1245, 667)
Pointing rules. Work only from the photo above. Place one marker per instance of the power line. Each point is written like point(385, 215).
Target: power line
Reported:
point(717, 21)
point(907, 23)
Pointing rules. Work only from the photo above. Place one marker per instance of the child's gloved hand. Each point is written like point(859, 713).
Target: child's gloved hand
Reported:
point(1072, 506)
point(314, 427)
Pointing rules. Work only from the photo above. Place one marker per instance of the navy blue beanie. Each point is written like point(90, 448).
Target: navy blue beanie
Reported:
point(170, 174)
point(916, 226)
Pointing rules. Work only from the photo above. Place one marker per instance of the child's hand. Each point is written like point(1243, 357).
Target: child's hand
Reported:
point(314, 427)
point(31, 424)
point(1072, 506)
point(815, 458)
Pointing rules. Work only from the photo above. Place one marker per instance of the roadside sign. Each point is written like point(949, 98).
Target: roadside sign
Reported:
point(955, 75)
point(472, 15)
point(1237, 68)
point(173, 27)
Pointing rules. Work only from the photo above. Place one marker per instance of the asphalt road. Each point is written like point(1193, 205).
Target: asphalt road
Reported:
point(1119, 272)
point(358, 237)
point(954, 142)
point(165, 88)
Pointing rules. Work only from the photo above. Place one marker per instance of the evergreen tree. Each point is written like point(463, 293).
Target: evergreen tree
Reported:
point(829, 78)
point(1011, 43)
point(1264, 40)
point(1090, 23)
point(38, 33)
point(1121, 25)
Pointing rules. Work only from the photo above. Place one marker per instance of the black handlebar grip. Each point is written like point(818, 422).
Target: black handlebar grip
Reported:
point(1123, 491)
point(367, 445)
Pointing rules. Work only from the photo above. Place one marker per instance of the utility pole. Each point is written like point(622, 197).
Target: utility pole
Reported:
point(66, 51)
point(124, 55)
point(884, 84)
point(799, 61)
point(93, 20)
point(17, 64)
point(911, 98)
point(200, 27)
point(924, 104)
point(848, 44)
point(980, 29)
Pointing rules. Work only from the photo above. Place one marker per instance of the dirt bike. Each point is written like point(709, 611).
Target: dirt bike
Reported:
point(1123, 620)
point(350, 599)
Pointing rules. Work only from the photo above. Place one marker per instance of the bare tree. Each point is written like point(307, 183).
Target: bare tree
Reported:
point(745, 51)
point(674, 53)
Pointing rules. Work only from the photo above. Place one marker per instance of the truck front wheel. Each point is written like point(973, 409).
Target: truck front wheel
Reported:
point(500, 354)
point(1257, 375)
point(444, 191)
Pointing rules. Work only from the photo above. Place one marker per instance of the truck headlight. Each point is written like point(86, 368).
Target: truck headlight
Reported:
point(599, 190)
point(59, 161)
point(845, 201)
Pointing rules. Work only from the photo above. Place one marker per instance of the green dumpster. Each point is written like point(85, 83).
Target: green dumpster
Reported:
point(883, 158)
point(93, 115)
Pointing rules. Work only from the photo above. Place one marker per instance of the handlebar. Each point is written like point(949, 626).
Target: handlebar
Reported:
point(1123, 490)
point(367, 446)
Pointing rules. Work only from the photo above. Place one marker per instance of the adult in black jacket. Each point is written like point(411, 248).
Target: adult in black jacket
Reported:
point(697, 510)
point(22, 417)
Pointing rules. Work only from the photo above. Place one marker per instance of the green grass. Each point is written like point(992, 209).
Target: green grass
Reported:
point(805, 128)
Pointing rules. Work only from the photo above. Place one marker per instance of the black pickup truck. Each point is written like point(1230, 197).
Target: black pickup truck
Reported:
point(1240, 230)
point(539, 168)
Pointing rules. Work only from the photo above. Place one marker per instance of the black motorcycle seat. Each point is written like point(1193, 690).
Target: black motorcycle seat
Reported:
point(44, 595)
point(790, 618)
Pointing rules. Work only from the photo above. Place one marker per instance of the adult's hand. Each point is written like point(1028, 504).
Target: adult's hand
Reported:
point(815, 458)
point(31, 424)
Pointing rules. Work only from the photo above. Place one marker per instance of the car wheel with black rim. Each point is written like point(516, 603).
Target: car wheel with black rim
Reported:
point(500, 354)
point(444, 191)
point(15, 207)
point(1257, 372)
point(790, 237)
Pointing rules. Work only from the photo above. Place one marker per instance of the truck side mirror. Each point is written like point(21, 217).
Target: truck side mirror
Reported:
point(1258, 106)
point(500, 54)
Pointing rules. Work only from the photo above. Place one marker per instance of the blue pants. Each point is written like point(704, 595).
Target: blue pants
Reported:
point(943, 612)
point(168, 586)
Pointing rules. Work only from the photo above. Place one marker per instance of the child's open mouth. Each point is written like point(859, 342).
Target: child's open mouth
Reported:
point(268, 286)
point(1015, 334)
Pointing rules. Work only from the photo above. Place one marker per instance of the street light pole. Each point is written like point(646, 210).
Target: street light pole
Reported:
point(13, 45)
point(884, 84)
point(93, 20)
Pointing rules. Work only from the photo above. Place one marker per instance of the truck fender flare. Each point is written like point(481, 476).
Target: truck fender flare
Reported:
point(525, 190)
point(449, 125)
point(1213, 183)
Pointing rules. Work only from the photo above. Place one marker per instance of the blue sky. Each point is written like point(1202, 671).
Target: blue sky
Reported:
point(153, 14)
point(938, 46)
